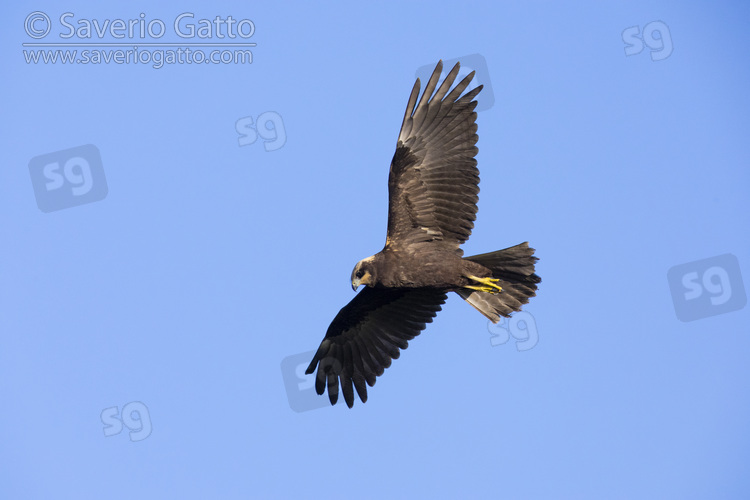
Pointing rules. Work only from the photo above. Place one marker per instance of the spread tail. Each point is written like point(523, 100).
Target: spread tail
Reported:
point(514, 267)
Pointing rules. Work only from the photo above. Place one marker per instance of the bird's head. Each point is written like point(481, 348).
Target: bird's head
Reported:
point(364, 273)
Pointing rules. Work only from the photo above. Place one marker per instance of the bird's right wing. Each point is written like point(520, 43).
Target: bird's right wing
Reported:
point(366, 335)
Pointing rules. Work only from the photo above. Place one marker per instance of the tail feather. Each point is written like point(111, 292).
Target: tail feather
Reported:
point(514, 267)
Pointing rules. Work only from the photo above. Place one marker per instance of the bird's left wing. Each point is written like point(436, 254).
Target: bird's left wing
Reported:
point(366, 335)
point(433, 181)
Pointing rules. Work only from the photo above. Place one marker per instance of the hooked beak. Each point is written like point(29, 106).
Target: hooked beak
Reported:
point(355, 284)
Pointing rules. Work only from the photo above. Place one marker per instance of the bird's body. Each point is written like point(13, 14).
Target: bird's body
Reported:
point(440, 269)
point(433, 190)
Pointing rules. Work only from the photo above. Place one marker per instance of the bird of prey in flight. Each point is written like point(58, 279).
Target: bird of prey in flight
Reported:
point(432, 205)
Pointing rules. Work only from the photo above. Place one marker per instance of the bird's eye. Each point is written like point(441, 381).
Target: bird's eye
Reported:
point(360, 274)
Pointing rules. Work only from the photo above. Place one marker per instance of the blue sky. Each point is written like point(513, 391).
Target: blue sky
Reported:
point(152, 326)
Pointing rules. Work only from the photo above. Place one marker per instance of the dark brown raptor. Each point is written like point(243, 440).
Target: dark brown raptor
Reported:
point(433, 192)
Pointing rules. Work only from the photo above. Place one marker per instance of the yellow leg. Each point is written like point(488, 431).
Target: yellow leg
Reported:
point(482, 288)
point(489, 284)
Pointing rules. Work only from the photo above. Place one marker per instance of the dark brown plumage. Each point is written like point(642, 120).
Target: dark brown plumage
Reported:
point(432, 189)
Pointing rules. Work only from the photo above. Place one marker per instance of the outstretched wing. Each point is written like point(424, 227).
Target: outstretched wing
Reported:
point(433, 182)
point(367, 334)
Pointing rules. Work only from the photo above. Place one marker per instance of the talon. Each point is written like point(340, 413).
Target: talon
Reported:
point(489, 284)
